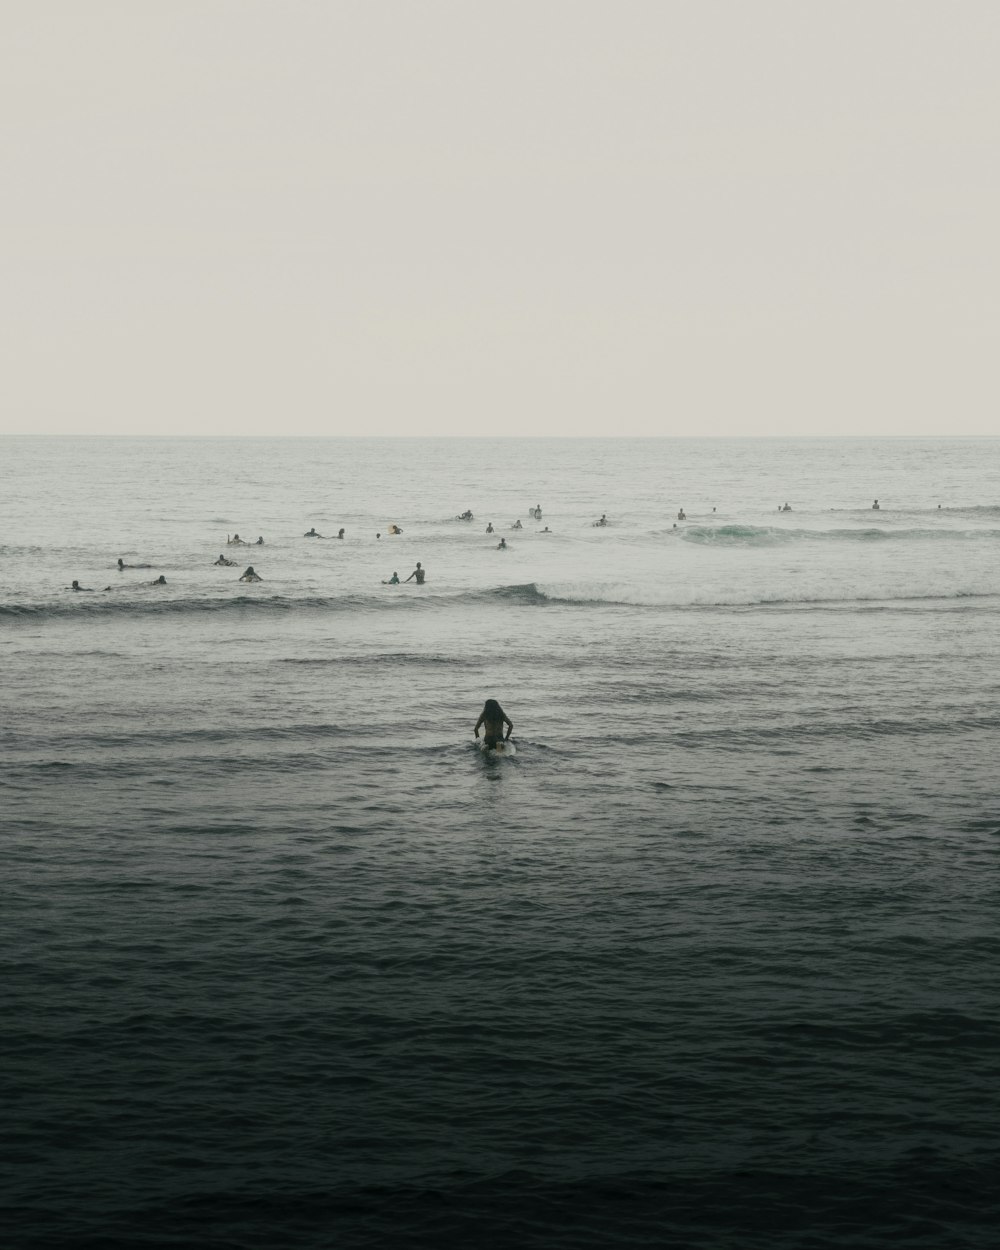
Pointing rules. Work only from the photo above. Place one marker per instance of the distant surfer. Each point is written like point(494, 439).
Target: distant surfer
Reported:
point(875, 507)
point(419, 573)
point(222, 560)
point(465, 516)
point(250, 576)
point(393, 581)
point(517, 525)
point(77, 586)
point(602, 521)
point(340, 533)
point(787, 508)
point(546, 530)
point(394, 529)
point(159, 581)
point(235, 541)
point(492, 719)
point(681, 516)
point(489, 528)
point(502, 545)
point(311, 533)
point(259, 542)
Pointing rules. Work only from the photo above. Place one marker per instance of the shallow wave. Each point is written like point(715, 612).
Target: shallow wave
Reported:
point(771, 535)
point(99, 607)
point(565, 594)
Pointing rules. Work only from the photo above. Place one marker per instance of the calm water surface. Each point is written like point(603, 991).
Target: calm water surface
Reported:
point(710, 962)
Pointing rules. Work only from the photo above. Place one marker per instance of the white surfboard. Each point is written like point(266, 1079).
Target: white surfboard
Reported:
point(501, 748)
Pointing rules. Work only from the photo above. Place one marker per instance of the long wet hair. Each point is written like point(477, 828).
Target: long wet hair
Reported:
point(492, 711)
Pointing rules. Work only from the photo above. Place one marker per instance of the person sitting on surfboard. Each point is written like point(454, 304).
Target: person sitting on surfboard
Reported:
point(393, 581)
point(419, 573)
point(250, 575)
point(311, 533)
point(394, 529)
point(492, 719)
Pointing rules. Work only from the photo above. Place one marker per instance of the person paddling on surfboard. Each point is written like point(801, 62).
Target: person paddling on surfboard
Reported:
point(492, 719)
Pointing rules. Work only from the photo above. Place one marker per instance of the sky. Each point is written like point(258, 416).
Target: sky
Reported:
point(523, 217)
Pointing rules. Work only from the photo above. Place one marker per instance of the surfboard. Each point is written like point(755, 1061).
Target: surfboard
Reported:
point(501, 748)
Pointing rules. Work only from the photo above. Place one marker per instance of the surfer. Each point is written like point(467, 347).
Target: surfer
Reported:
point(259, 542)
point(517, 525)
point(875, 507)
point(340, 534)
point(235, 541)
point(489, 528)
point(681, 516)
point(502, 545)
point(311, 533)
point(492, 719)
point(222, 560)
point(419, 573)
point(77, 586)
point(250, 575)
point(393, 581)
point(159, 581)
point(603, 520)
point(394, 529)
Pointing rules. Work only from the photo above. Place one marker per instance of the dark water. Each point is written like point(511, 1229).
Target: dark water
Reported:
point(710, 962)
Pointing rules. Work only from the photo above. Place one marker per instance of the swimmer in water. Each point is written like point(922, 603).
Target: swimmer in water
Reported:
point(340, 533)
point(546, 530)
point(259, 542)
point(419, 573)
point(502, 545)
point(250, 576)
point(312, 533)
point(394, 529)
point(222, 560)
point(77, 586)
point(681, 516)
point(235, 541)
point(493, 719)
point(489, 528)
point(159, 581)
point(875, 507)
point(393, 581)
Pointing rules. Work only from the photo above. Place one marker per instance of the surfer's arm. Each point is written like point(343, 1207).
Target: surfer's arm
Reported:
point(475, 732)
point(510, 728)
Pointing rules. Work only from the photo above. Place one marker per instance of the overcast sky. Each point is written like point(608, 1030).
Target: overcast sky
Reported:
point(514, 216)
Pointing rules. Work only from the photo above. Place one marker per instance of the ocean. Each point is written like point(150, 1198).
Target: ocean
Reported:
point(710, 962)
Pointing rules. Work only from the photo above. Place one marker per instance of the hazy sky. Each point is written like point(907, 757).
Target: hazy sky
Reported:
point(515, 216)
